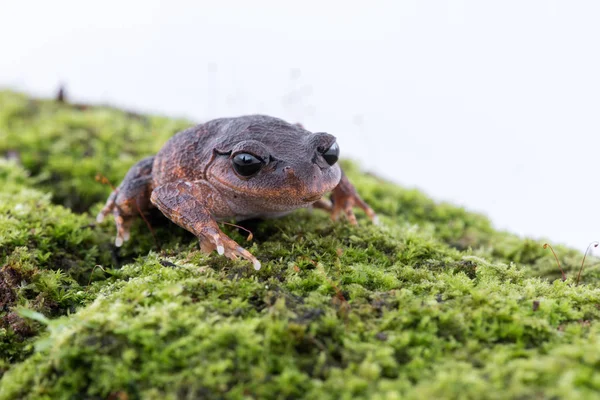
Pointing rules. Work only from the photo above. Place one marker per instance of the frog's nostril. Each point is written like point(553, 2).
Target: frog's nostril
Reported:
point(289, 171)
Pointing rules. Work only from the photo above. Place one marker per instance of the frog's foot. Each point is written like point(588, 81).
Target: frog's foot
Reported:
point(214, 239)
point(131, 198)
point(345, 198)
point(123, 209)
point(182, 203)
point(123, 223)
point(122, 220)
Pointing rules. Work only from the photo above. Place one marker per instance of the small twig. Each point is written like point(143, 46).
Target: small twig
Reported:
point(104, 180)
point(147, 224)
point(250, 235)
point(595, 244)
point(61, 96)
point(92, 273)
point(564, 277)
point(315, 341)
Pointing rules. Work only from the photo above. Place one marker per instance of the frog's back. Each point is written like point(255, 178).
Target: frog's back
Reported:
point(274, 133)
point(182, 157)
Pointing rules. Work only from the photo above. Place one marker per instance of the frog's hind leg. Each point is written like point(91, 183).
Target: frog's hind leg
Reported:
point(130, 199)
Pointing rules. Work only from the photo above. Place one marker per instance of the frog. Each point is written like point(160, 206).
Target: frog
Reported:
point(237, 168)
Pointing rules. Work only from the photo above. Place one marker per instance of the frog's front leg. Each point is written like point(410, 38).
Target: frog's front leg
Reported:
point(344, 198)
point(182, 203)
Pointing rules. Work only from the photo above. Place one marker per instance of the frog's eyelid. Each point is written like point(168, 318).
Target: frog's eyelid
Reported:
point(231, 154)
point(222, 153)
point(322, 149)
point(262, 159)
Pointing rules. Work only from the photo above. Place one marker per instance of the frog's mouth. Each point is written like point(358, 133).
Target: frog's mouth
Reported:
point(312, 199)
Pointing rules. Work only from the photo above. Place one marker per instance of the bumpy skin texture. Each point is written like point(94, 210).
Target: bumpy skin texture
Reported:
point(193, 182)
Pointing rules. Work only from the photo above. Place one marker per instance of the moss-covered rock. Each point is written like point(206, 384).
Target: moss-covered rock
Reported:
point(434, 303)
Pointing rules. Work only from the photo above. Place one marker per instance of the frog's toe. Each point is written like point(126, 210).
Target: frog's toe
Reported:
point(368, 210)
point(123, 227)
point(206, 246)
point(241, 252)
point(233, 250)
point(213, 239)
point(210, 240)
point(108, 207)
point(350, 215)
point(345, 206)
point(345, 198)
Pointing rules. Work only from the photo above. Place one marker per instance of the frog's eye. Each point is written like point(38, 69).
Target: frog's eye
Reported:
point(246, 164)
point(332, 154)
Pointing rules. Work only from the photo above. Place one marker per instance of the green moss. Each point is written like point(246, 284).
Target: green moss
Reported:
point(434, 303)
point(66, 147)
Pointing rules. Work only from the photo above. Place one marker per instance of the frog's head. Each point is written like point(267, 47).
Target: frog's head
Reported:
point(275, 166)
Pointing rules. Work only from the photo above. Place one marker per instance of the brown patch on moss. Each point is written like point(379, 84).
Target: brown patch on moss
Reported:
point(468, 267)
point(47, 306)
point(383, 301)
point(7, 294)
point(10, 279)
point(12, 155)
point(20, 326)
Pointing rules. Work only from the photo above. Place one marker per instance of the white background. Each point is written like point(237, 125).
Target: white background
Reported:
point(490, 105)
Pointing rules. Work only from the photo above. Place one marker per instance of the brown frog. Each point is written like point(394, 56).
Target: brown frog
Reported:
point(234, 168)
